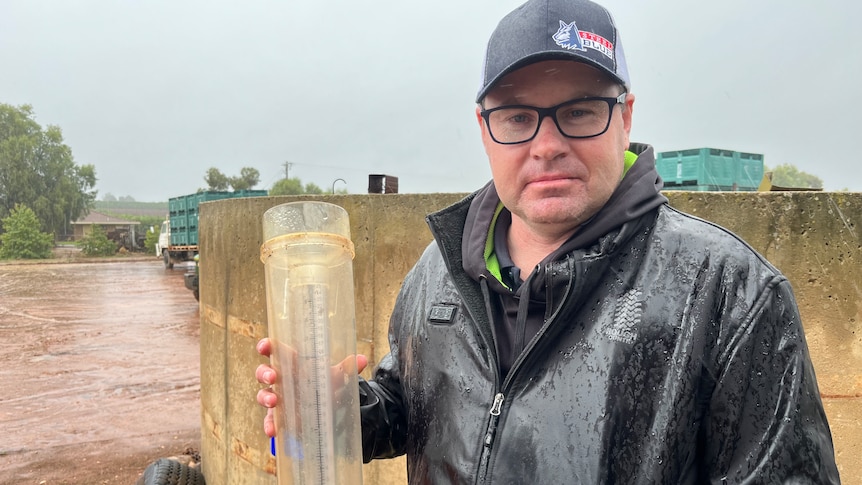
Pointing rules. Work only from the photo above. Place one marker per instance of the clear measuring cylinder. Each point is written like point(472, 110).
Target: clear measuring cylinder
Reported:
point(308, 259)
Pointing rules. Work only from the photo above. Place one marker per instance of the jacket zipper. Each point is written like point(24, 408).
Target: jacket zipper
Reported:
point(495, 416)
point(499, 398)
point(488, 442)
point(496, 406)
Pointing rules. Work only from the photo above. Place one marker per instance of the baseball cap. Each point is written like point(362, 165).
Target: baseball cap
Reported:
point(542, 30)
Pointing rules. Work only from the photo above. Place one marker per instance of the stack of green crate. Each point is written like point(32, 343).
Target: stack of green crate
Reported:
point(710, 169)
point(183, 212)
point(179, 220)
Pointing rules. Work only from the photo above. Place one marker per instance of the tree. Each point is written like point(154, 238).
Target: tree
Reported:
point(96, 243)
point(287, 187)
point(22, 238)
point(248, 178)
point(215, 179)
point(152, 238)
point(312, 188)
point(293, 186)
point(109, 197)
point(787, 175)
point(37, 170)
point(126, 198)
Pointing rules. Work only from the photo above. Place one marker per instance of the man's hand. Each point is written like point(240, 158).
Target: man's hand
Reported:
point(265, 374)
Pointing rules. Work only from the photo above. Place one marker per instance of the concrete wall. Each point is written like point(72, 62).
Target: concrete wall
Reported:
point(814, 238)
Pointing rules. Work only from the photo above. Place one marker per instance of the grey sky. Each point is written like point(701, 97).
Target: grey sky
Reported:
point(153, 93)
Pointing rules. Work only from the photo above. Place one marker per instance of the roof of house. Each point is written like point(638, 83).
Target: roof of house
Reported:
point(98, 218)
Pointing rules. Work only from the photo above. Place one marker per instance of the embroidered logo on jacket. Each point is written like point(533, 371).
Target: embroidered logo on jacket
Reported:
point(627, 317)
point(569, 37)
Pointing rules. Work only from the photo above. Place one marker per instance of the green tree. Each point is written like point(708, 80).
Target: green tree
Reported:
point(787, 175)
point(37, 170)
point(312, 188)
point(22, 238)
point(216, 180)
point(248, 178)
point(152, 238)
point(96, 243)
point(293, 186)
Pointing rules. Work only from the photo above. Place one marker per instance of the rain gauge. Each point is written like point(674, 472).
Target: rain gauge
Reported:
point(308, 259)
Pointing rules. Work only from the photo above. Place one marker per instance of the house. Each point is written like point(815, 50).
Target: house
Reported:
point(112, 226)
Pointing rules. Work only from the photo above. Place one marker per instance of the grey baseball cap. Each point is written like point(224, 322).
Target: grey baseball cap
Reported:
point(541, 30)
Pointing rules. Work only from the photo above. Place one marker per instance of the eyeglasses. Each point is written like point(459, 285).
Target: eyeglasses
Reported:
point(577, 118)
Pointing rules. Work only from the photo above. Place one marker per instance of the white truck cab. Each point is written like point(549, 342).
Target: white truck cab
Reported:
point(164, 237)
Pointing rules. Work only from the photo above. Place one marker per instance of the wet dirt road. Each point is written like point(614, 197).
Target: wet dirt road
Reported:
point(99, 370)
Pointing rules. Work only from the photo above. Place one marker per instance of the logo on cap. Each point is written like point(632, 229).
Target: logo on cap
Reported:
point(569, 37)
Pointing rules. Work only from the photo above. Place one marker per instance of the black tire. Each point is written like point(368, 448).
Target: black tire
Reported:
point(167, 258)
point(170, 472)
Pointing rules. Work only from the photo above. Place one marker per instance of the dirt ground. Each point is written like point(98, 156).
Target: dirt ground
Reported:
point(99, 370)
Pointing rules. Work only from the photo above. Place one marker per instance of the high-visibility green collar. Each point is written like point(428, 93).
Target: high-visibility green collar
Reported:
point(630, 159)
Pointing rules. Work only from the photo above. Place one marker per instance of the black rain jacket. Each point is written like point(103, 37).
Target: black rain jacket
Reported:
point(673, 353)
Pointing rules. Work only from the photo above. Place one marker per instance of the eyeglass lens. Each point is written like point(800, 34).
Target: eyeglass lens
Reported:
point(577, 119)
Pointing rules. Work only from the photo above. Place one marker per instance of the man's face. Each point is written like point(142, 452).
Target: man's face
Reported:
point(553, 183)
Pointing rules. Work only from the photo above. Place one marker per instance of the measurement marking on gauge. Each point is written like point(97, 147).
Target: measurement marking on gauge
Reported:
point(315, 307)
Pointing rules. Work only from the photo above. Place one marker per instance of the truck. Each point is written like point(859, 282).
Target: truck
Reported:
point(178, 237)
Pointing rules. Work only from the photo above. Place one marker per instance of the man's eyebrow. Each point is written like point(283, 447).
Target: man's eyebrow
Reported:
point(513, 99)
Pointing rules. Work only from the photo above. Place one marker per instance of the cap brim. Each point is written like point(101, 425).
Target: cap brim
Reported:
point(550, 55)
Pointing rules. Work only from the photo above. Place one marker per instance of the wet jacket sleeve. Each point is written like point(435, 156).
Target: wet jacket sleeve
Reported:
point(384, 426)
point(381, 399)
point(765, 421)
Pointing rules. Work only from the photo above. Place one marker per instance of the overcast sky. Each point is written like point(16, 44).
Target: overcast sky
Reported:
point(155, 92)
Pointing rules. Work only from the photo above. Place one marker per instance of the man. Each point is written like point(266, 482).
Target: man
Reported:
point(566, 325)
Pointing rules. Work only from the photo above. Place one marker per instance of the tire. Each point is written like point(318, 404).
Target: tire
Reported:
point(166, 256)
point(165, 471)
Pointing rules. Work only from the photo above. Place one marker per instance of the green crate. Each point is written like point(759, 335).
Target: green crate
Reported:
point(192, 222)
point(703, 188)
point(710, 169)
point(250, 193)
point(179, 238)
point(174, 206)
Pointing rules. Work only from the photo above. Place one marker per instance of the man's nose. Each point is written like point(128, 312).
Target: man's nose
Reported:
point(549, 140)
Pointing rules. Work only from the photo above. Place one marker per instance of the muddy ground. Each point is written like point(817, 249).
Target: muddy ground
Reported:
point(99, 370)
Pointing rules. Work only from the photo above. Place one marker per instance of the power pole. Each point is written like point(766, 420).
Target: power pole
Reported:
point(287, 169)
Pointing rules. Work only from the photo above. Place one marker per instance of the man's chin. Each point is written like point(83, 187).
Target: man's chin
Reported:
point(557, 211)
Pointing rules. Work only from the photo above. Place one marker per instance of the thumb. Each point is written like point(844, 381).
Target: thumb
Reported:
point(361, 362)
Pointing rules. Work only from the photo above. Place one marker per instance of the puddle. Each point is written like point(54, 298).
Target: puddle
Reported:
point(95, 353)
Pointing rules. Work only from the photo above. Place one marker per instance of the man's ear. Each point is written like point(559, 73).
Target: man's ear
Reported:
point(627, 112)
point(479, 117)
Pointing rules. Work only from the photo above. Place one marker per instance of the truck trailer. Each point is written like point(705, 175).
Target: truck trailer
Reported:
point(178, 238)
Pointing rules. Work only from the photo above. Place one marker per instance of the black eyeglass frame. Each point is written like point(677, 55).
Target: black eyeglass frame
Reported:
point(551, 112)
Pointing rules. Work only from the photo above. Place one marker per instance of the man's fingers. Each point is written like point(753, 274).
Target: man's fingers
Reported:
point(264, 347)
point(267, 398)
point(265, 374)
point(356, 362)
point(361, 362)
point(269, 423)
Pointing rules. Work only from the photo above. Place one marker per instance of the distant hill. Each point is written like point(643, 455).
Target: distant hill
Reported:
point(154, 209)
